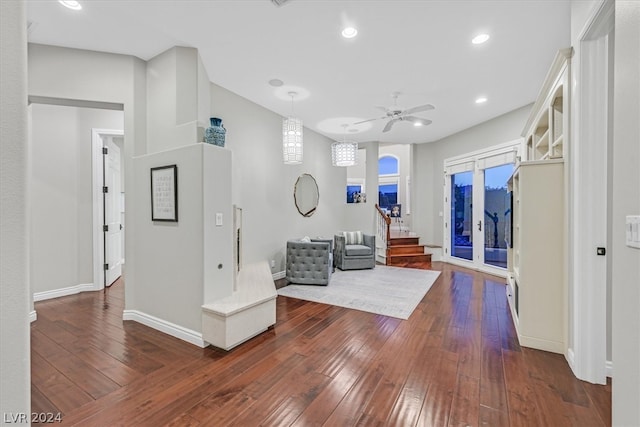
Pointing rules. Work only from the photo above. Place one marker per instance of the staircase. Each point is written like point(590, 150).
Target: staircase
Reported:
point(406, 251)
point(397, 247)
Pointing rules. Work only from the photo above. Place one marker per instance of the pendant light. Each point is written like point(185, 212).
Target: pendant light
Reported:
point(292, 137)
point(344, 153)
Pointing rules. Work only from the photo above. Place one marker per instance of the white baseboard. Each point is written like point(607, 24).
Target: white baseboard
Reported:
point(63, 292)
point(33, 316)
point(279, 275)
point(571, 360)
point(168, 328)
point(570, 356)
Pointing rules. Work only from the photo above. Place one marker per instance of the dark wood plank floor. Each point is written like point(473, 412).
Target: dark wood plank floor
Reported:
point(455, 362)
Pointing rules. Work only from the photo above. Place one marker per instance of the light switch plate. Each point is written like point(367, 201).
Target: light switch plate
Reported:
point(218, 219)
point(632, 227)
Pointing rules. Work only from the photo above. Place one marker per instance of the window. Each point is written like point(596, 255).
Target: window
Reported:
point(388, 165)
point(388, 172)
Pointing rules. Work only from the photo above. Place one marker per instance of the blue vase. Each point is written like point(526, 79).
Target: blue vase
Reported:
point(216, 133)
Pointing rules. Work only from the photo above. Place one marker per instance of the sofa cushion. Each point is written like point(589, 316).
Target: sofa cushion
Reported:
point(357, 250)
point(352, 237)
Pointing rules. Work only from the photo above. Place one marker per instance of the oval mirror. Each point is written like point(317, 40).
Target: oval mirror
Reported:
point(306, 195)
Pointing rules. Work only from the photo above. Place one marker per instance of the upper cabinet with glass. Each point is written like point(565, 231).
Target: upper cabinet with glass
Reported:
point(546, 131)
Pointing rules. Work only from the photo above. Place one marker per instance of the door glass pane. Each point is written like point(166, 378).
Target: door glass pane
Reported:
point(461, 219)
point(497, 215)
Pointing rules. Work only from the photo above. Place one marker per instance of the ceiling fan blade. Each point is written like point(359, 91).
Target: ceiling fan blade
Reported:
point(419, 108)
point(370, 120)
point(381, 108)
point(389, 124)
point(420, 120)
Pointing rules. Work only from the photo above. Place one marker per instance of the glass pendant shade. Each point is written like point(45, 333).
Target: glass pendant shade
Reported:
point(292, 140)
point(344, 153)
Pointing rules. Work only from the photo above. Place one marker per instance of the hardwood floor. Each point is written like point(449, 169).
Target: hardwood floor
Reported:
point(455, 362)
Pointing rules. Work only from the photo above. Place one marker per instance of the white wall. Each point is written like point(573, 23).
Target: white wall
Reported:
point(15, 387)
point(626, 201)
point(74, 74)
point(176, 262)
point(61, 194)
point(263, 184)
point(428, 166)
point(176, 98)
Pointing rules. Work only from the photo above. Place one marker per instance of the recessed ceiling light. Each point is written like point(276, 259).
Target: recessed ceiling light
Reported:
point(417, 124)
point(480, 38)
point(71, 4)
point(276, 82)
point(349, 32)
point(481, 100)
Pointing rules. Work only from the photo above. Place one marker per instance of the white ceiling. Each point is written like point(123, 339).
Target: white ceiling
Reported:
point(421, 48)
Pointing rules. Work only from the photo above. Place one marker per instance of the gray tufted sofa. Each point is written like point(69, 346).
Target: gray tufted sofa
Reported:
point(309, 263)
point(355, 256)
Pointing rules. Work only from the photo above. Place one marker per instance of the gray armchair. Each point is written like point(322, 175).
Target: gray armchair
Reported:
point(309, 263)
point(356, 253)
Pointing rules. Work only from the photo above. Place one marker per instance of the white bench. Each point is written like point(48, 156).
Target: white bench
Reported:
point(249, 311)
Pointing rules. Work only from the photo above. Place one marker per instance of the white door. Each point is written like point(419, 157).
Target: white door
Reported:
point(112, 210)
point(477, 203)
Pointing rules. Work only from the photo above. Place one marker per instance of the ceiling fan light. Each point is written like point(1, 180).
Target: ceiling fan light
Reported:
point(344, 153)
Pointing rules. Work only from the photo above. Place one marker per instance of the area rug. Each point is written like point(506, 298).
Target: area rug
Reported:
point(390, 291)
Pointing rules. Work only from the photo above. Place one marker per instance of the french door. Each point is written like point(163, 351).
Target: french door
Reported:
point(477, 220)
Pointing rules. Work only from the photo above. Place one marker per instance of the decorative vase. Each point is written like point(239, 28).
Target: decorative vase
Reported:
point(216, 133)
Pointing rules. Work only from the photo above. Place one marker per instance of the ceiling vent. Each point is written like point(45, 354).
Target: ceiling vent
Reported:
point(279, 2)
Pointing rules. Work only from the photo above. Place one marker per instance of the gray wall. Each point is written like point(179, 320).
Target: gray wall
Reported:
point(15, 388)
point(64, 74)
point(61, 193)
point(428, 166)
point(626, 201)
point(263, 185)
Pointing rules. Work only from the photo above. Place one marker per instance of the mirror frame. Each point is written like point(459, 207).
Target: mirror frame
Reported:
point(309, 212)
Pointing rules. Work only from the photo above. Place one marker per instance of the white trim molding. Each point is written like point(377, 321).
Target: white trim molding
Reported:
point(589, 193)
point(98, 214)
point(279, 275)
point(33, 316)
point(63, 292)
point(166, 327)
point(609, 368)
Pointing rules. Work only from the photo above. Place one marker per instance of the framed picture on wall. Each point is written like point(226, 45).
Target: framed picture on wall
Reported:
point(396, 211)
point(164, 193)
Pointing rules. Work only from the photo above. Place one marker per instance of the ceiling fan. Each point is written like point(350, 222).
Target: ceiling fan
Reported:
point(397, 114)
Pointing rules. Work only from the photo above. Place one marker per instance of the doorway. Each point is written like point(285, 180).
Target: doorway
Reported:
point(63, 258)
point(108, 188)
point(477, 202)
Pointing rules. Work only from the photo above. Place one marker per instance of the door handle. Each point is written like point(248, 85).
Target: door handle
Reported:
point(480, 225)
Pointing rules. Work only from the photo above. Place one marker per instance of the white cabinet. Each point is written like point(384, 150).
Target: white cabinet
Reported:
point(537, 285)
point(546, 131)
point(536, 288)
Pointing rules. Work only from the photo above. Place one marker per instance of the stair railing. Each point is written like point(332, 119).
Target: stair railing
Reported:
point(383, 222)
